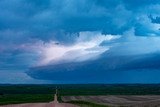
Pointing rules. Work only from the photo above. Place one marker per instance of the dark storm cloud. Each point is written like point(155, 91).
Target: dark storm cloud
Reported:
point(155, 20)
point(45, 18)
point(136, 4)
point(129, 53)
point(28, 25)
point(92, 71)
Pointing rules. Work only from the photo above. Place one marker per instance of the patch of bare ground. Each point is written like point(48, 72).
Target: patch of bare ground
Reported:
point(51, 104)
point(119, 100)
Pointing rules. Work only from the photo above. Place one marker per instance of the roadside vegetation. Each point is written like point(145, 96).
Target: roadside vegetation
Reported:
point(24, 98)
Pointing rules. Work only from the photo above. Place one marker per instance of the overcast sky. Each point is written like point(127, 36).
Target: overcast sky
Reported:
point(79, 41)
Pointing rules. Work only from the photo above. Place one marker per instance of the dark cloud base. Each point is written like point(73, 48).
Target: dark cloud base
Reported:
point(118, 67)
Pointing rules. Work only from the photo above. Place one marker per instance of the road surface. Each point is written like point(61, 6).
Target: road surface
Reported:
point(51, 104)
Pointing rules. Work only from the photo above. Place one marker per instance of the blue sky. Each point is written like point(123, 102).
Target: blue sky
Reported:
point(79, 41)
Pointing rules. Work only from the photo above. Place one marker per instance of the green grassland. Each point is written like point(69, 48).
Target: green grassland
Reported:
point(24, 98)
point(13, 94)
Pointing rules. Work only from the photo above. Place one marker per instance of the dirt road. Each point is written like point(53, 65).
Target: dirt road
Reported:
point(51, 104)
point(55, 103)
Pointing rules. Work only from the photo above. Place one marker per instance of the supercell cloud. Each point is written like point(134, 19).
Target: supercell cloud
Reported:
point(101, 41)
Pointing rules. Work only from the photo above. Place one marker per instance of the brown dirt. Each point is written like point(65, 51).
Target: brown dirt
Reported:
point(119, 100)
point(51, 104)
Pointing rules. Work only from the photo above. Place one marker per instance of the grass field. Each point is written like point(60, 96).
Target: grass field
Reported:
point(24, 98)
point(10, 94)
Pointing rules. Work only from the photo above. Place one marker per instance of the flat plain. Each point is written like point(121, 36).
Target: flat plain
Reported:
point(119, 100)
point(85, 95)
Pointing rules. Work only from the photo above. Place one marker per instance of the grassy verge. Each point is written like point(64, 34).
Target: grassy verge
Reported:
point(86, 104)
point(25, 98)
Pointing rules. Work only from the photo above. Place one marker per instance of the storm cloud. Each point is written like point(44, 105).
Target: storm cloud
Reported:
point(50, 39)
point(128, 54)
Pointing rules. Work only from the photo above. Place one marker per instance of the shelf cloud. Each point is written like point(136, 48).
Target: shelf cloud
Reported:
point(44, 39)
